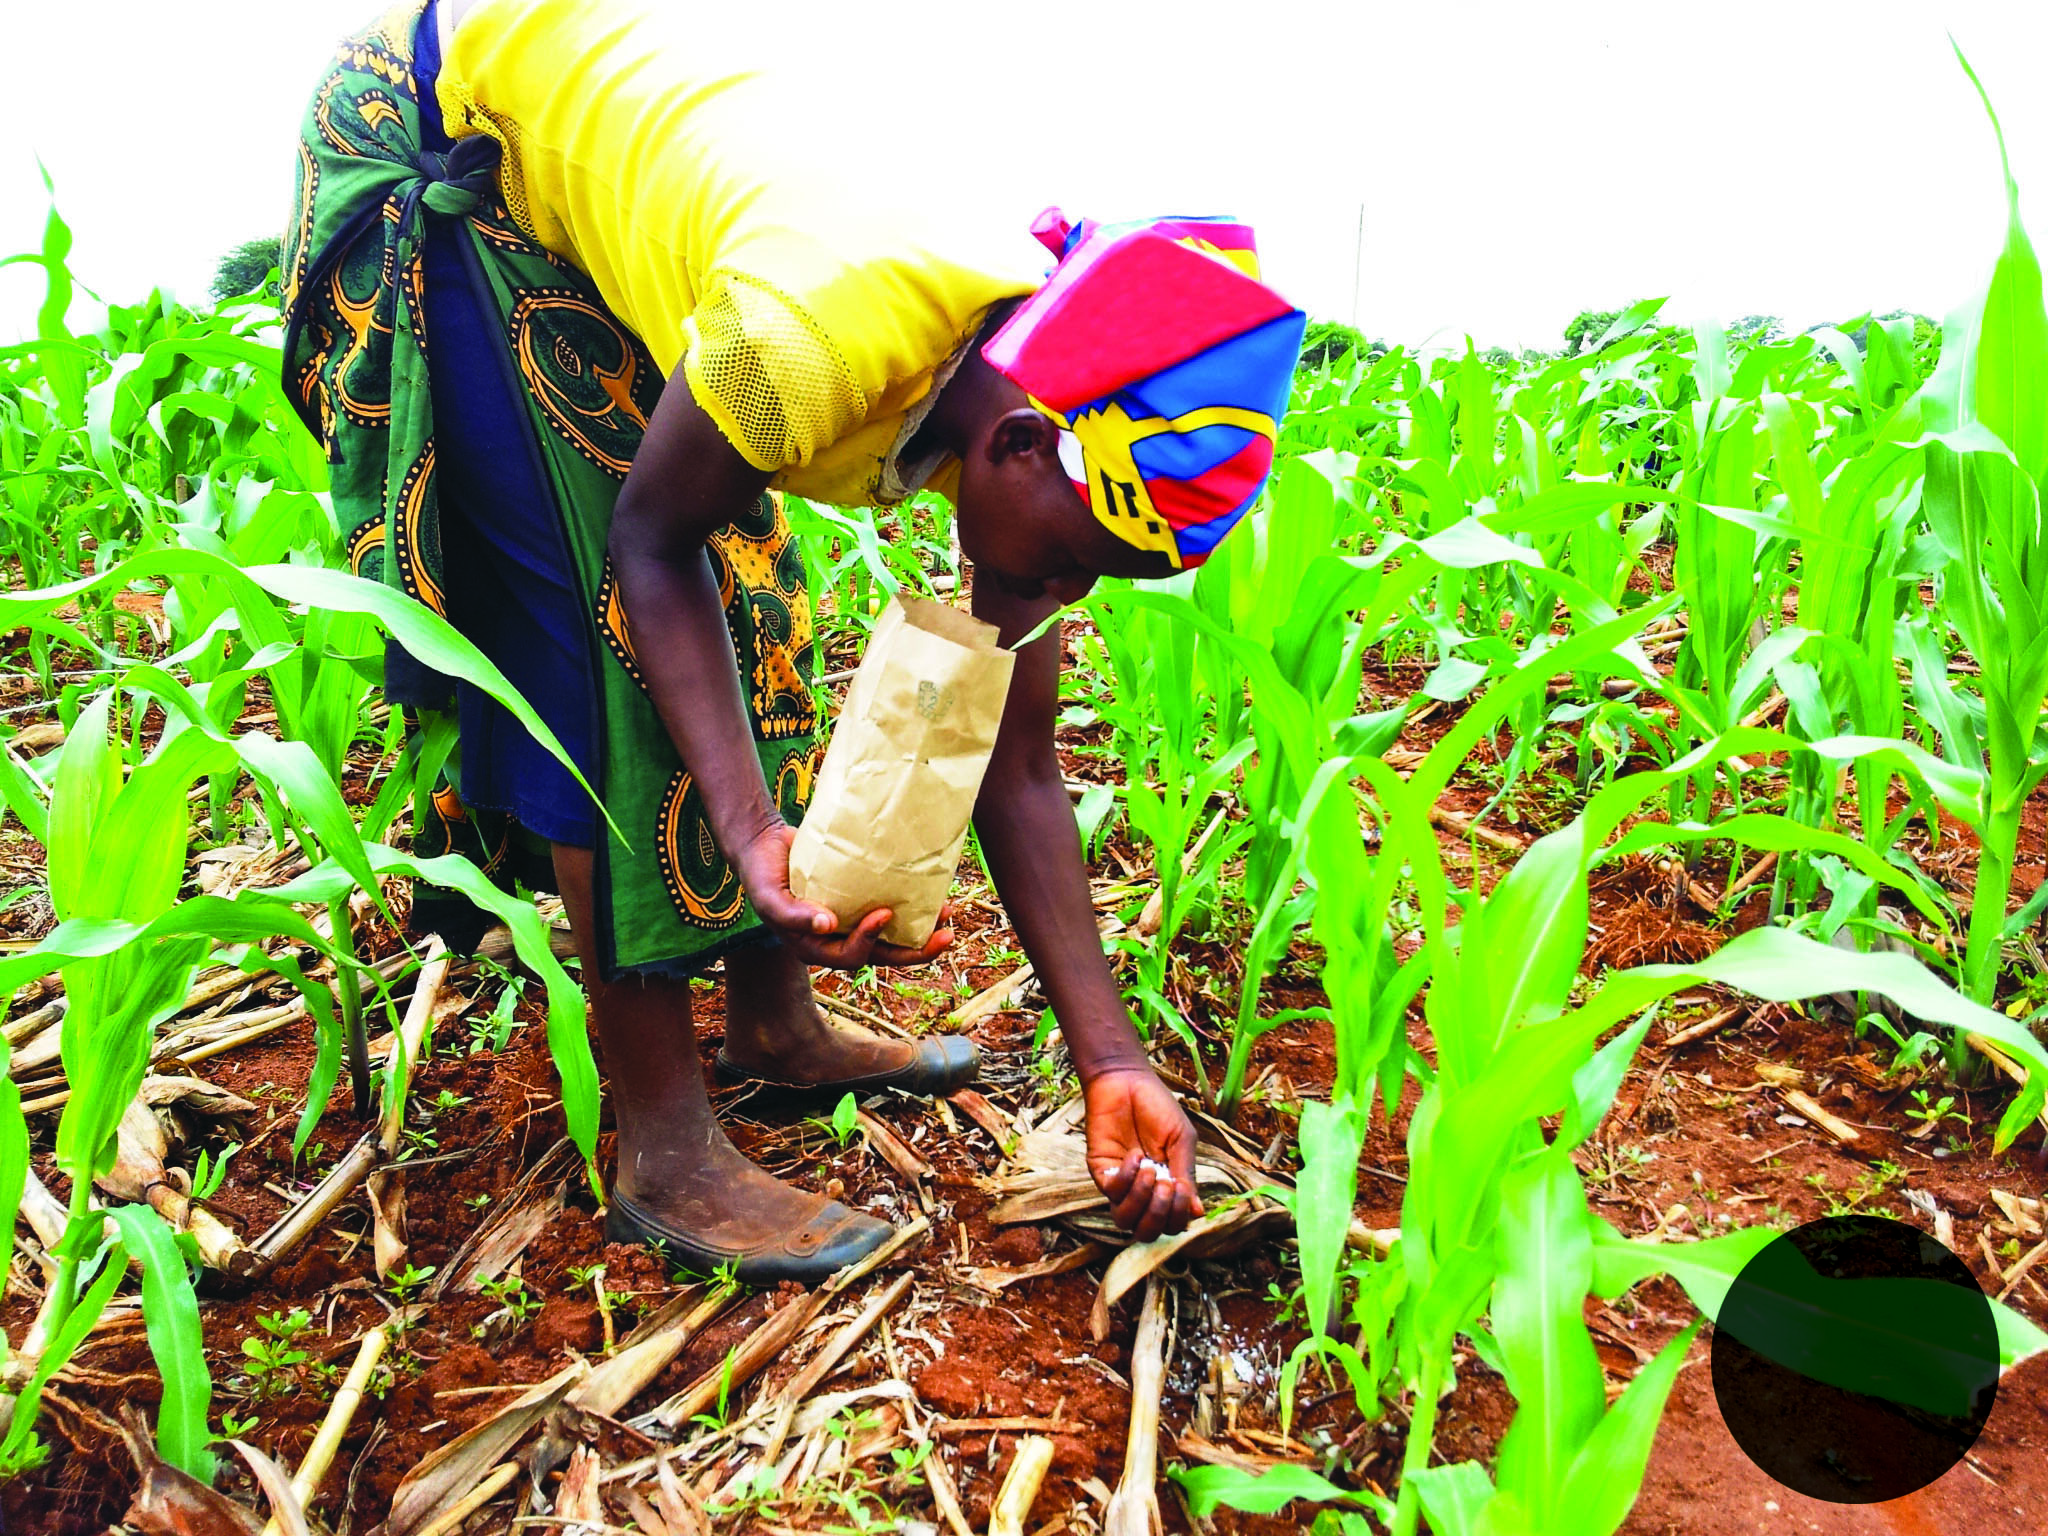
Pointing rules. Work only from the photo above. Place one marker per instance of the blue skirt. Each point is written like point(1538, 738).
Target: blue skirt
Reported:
point(511, 588)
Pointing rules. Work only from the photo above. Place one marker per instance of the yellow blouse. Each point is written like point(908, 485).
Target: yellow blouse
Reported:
point(728, 215)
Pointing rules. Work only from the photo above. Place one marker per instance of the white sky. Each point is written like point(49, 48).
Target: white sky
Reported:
point(1516, 162)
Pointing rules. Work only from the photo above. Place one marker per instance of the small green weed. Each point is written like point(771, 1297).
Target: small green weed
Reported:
point(405, 1284)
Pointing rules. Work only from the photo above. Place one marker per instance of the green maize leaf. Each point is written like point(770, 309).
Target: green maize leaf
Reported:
point(1545, 1270)
point(63, 1343)
point(1364, 1387)
point(1962, 792)
point(56, 307)
point(1782, 967)
point(1610, 807)
point(1487, 1349)
point(1596, 1083)
point(1208, 1488)
point(1532, 929)
point(1331, 1137)
point(316, 799)
point(1454, 1496)
point(246, 918)
point(139, 841)
point(88, 777)
point(107, 1027)
point(311, 792)
point(1451, 1278)
point(1843, 351)
point(1942, 705)
point(1628, 322)
point(170, 1310)
point(210, 706)
point(23, 793)
point(1563, 508)
point(1755, 672)
point(1277, 700)
point(115, 1004)
point(2007, 390)
point(1792, 442)
point(80, 939)
point(1476, 417)
point(326, 1034)
point(424, 633)
point(1091, 811)
point(1163, 1008)
point(1608, 1471)
point(320, 1079)
point(1710, 361)
point(417, 773)
point(2029, 913)
point(1575, 653)
point(139, 380)
point(2019, 1337)
point(1354, 893)
point(1480, 1117)
point(1472, 543)
point(1407, 836)
point(13, 1142)
point(1776, 834)
point(568, 1038)
point(1531, 1072)
point(1428, 481)
point(1921, 1343)
point(1453, 679)
point(1295, 525)
point(1705, 1269)
point(1320, 645)
point(430, 638)
point(1368, 735)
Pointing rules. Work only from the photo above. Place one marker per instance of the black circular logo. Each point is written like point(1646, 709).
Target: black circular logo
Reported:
point(1855, 1360)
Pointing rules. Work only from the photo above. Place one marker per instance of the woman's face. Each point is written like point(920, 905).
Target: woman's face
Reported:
point(1027, 529)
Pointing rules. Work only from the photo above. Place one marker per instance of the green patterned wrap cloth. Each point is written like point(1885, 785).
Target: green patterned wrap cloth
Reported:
point(356, 365)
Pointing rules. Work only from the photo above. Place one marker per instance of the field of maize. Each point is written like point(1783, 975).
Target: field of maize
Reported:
point(1585, 825)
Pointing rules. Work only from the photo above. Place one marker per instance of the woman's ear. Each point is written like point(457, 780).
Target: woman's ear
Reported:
point(1023, 433)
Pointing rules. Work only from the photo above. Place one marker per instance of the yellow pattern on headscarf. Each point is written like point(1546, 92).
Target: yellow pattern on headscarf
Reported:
point(1246, 261)
point(1117, 494)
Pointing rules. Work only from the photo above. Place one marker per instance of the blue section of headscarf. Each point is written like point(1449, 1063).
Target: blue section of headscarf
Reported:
point(1187, 455)
point(1198, 540)
point(1252, 372)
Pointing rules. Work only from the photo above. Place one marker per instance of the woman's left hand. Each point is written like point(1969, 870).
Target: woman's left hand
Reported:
point(1141, 1151)
point(809, 929)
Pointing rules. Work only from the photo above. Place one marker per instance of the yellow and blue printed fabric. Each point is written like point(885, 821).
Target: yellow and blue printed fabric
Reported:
point(1165, 361)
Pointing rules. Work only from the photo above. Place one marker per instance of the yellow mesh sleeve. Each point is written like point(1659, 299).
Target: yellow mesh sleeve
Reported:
point(767, 373)
point(462, 115)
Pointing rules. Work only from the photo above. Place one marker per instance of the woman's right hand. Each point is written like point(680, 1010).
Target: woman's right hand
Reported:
point(809, 929)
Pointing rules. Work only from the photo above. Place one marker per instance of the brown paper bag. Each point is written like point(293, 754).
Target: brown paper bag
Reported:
point(889, 813)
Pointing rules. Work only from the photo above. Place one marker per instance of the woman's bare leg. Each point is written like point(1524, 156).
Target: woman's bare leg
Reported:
point(772, 1025)
point(673, 1160)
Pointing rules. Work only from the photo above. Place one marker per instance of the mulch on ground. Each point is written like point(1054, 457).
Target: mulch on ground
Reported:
point(1701, 1139)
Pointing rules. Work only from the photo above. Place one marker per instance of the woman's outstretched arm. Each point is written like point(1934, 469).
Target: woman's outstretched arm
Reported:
point(686, 483)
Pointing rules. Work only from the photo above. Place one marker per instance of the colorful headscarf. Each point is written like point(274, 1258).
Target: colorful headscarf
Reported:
point(1165, 362)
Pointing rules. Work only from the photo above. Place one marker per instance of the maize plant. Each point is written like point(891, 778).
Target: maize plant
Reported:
point(1497, 1240)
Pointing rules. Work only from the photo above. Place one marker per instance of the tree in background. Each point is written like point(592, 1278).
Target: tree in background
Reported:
point(1926, 332)
point(1587, 327)
point(247, 268)
point(1327, 340)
